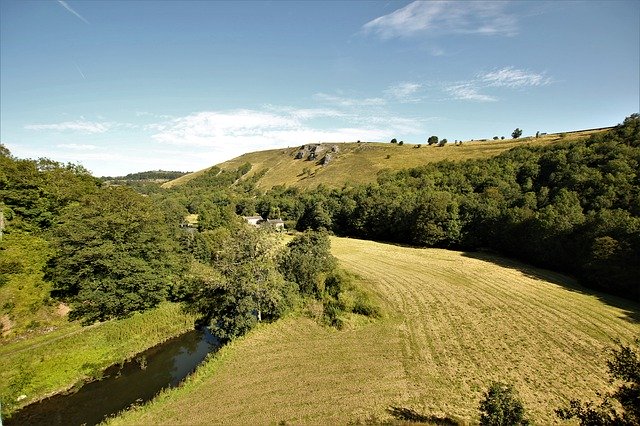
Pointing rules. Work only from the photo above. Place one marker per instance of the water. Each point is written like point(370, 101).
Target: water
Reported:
point(137, 381)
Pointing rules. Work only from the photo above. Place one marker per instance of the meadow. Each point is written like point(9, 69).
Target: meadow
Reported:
point(453, 322)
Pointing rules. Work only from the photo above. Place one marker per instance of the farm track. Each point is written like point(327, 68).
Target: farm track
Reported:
point(467, 321)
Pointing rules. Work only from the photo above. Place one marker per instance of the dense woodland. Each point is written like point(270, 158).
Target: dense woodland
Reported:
point(573, 207)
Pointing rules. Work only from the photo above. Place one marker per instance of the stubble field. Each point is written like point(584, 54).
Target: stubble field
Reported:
point(454, 322)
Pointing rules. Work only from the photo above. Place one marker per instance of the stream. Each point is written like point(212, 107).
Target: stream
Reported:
point(134, 382)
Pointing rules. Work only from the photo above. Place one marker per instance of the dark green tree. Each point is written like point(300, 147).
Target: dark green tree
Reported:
point(516, 133)
point(114, 255)
point(307, 261)
point(501, 407)
point(394, 140)
point(433, 140)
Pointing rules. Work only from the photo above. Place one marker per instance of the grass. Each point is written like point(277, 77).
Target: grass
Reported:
point(359, 163)
point(454, 323)
point(49, 363)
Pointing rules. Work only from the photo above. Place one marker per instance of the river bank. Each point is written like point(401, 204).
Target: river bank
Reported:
point(36, 368)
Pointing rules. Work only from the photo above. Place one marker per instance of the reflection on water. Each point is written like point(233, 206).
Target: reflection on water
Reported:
point(136, 381)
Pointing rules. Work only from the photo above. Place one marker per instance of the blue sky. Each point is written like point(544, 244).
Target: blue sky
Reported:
point(130, 86)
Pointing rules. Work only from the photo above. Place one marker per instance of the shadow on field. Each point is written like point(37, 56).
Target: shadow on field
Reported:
point(409, 415)
point(631, 310)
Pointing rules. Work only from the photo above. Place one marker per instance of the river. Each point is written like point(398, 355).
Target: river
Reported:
point(134, 382)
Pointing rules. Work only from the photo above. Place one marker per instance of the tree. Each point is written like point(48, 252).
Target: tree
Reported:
point(307, 261)
point(516, 133)
point(242, 287)
point(443, 142)
point(114, 255)
point(433, 140)
point(394, 140)
point(501, 407)
point(401, 143)
point(624, 368)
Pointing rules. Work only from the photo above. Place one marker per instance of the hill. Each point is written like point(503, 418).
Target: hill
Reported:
point(455, 321)
point(359, 163)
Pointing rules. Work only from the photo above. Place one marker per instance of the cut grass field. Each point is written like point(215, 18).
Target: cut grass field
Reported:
point(45, 364)
point(359, 163)
point(454, 322)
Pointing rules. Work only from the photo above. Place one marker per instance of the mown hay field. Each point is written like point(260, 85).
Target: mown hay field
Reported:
point(454, 322)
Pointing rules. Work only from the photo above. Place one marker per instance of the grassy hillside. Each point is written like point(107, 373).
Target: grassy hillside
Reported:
point(454, 322)
point(356, 163)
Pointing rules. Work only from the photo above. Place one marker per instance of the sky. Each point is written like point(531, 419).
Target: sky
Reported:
point(128, 86)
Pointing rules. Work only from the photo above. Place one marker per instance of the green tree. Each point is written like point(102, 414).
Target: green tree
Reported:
point(624, 369)
point(243, 287)
point(307, 261)
point(394, 140)
point(516, 133)
point(433, 140)
point(501, 407)
point(114, 255)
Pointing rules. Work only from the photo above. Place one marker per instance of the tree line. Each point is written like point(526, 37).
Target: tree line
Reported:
point(572, 207)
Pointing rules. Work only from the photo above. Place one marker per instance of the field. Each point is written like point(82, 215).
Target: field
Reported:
point(454, 322)
point(359, 163)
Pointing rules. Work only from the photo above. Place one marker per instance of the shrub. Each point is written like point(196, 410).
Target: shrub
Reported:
point(501, 407)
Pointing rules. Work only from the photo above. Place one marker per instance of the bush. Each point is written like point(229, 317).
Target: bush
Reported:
point(501, 407)
point(394, 140)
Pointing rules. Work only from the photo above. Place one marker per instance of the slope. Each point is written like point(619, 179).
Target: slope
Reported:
point(455, 322)
point(356, 163)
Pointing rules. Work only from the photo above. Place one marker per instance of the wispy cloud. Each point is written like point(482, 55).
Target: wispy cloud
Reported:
point(514, 78)
point(66, 6)
point(305, 113)
point(348, 102)
point(404, 92)
point(80, 71)
point(468, 92)
point(445, 17)
point(508, 78)
point(75, 126)
point(77, 147)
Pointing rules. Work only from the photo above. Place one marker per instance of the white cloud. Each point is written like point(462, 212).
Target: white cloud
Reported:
point(445, 17)
point(514, 78)
point(66, 6)
point(468, 92)
point(305, 113)
point(78, 147)
point(228, 134)
point(404, 92)
point(348, 102)
point(76, 126)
